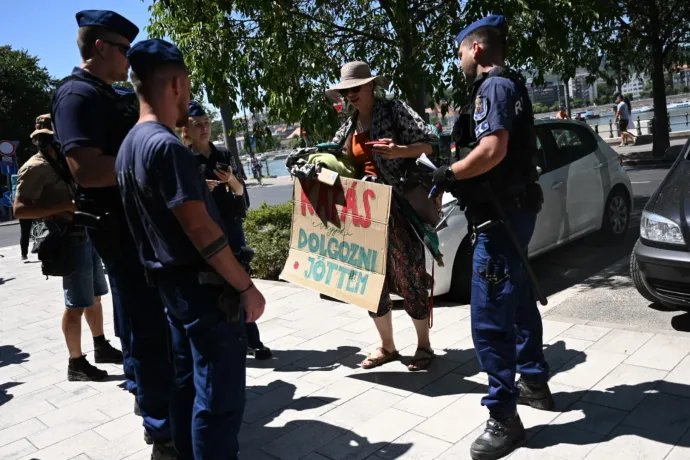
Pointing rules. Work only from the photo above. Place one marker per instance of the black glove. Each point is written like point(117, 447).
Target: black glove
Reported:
point(443, 177)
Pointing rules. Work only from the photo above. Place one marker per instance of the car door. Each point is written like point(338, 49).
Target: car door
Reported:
point(551, 224)
point(584, 190)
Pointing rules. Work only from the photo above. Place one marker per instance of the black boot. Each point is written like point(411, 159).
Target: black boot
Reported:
point(106, 353)
point(163, 451)
point(536, 395)
point(80, 370)
point(147, 437)
point(500, 438)
point(260, 353)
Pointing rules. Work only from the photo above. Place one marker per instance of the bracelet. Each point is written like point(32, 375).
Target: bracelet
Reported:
point(251, 285)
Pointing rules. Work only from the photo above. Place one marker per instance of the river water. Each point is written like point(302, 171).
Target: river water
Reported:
point(680, 121)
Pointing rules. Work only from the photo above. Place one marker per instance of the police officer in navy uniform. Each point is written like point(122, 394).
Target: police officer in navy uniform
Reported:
point(229, 192)
point(91, 120)
point(179, 233)
point(506, 323)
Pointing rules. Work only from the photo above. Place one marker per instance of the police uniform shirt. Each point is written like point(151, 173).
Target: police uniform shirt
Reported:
point(85, 116)
point(496, 105)
point(156, 173)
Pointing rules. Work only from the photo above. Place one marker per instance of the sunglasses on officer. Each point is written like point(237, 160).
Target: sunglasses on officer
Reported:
point(346, 91)
point(123, 48)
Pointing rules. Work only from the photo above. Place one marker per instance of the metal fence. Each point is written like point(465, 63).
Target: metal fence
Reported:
point(675, 123)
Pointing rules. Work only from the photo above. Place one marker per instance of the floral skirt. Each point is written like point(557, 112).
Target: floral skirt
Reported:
point(406, 274)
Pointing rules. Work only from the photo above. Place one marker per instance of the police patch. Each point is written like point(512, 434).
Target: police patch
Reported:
point(481, 128)
point(480, 108)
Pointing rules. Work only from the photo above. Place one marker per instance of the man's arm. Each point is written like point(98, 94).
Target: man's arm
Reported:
point(91, 168)
point(492, 149)
point(31, 209)
point(210, 240)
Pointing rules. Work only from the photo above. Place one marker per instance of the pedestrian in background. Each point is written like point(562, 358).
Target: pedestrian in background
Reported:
point(24, 236)
point(45, 191)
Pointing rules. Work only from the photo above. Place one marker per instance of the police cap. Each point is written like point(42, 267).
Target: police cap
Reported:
point(109, 20)
point(196, 109)
point(147, 55)
point(495, 20)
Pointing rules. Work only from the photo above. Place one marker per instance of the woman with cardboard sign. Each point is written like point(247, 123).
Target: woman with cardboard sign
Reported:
point(384, 138)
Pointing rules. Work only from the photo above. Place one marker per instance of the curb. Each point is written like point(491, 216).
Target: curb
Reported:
point(647, 162)
point(11, 222)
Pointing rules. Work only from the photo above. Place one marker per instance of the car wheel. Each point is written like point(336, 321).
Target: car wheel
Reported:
point(461, 283)
point(616, 214)
point(636, 276)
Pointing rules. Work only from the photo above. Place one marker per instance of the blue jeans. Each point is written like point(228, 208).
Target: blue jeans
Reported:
point(141, 322)
point(87, 281)
point(210, 370)
point(506, 323)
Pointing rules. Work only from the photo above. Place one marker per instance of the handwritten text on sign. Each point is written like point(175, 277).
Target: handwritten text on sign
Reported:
point(340, 239)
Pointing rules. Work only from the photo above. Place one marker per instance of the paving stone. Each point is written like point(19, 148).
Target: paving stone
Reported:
point(677, 382)
point(372, 435)
point(591, 417)
point(62, 425)
point(123, 446)
point(560, 351)
point(582, 332)
point(567, 442)
point(629, 444)
point(585, 375)
point(663, 417)
point(438, 395)
point(661, 352)
point(361, 408)
point(20, 430)
point(16, 450)
point(625, 386)
point(457, 420)
point(119, 427)
point(414, 445)
point(682, 450)
point(277, 400)
point(71, 447)
point(461, 449)
point(304, 440)
point(23, 408)
point(622, 342)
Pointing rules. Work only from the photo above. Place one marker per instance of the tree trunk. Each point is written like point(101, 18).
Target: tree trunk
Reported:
point(566, 87)
point(661, 135)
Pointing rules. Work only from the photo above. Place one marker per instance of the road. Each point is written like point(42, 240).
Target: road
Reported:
point(610, 297)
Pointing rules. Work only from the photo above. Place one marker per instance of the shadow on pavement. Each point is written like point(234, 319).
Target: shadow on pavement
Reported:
point(681, 322)
point(265, 428)
point(4, 280)
point(661, 417)
point(9, 354)
point(309, 360)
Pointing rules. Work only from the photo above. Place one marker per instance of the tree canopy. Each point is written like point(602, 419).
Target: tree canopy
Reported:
point(25, 92)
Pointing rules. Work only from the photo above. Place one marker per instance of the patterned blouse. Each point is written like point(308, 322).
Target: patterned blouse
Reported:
point(410, 129)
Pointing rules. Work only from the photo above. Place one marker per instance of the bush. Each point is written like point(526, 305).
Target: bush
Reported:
point(268, 233)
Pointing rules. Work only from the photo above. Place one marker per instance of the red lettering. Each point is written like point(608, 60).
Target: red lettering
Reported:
point(366, 196)
point(350, 205)
point(305, 202)
point(323, 204)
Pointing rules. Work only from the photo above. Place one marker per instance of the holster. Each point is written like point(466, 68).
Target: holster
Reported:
point(228, 301)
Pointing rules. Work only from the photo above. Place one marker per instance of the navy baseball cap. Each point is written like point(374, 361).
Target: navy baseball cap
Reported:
point(150, 54)
point(196, 109)
point(109, 20)
point(495, 20)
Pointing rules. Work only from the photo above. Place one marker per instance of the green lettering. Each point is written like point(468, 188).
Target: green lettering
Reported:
point(362, 282)
point(331, 266)
point(314, 243)
point(319, 270)
point(302, 239)
point(333, 248)
point(344, 251)
point(307, 273)
point(353, 256)
point(352, 282)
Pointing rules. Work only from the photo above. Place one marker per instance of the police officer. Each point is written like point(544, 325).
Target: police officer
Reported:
point(179, 233)
point(91, 120)
point(230, 195)
point(506, 324)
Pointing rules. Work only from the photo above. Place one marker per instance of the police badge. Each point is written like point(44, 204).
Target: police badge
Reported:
point(480, 106)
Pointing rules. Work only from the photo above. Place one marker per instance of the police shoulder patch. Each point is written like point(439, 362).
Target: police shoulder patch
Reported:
point(480, 108)
point(481, 128)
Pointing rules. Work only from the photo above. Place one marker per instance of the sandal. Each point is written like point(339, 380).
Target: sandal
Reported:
point(385, 358)
point(421, 363)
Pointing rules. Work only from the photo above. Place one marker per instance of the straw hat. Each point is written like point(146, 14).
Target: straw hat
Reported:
point(354, 74)
point(44, 125)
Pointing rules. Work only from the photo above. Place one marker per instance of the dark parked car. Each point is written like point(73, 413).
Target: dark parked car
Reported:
point(660, 262)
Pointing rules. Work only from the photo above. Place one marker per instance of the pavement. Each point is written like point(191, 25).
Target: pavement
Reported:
point(642, 155)
point(620, 381)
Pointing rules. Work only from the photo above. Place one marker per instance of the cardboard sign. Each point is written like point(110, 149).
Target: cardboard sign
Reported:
point(339, 242)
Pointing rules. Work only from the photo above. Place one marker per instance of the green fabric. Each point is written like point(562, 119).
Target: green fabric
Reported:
point(430, 237)
point(341, 164)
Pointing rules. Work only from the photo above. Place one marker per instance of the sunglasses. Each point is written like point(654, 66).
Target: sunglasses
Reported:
point(346, 91)
point(123, 48)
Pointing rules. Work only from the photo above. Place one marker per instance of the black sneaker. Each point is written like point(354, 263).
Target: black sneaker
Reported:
point(106, 353)
point(80, 370)
point(536, 395)
point(147, 437)
point(500, 438)
point(163, 451)
point(262, 353)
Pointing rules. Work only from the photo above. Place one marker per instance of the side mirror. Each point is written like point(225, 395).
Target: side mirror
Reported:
point(539, 170)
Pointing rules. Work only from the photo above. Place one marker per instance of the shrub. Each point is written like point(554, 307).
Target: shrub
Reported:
point(268, 233)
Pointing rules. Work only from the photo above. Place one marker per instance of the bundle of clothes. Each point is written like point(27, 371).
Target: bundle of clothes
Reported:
point(306, 163)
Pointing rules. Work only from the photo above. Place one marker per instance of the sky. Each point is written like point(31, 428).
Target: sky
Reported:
point(48, 29)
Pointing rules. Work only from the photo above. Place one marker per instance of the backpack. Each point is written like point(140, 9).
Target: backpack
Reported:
point(51, 240)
